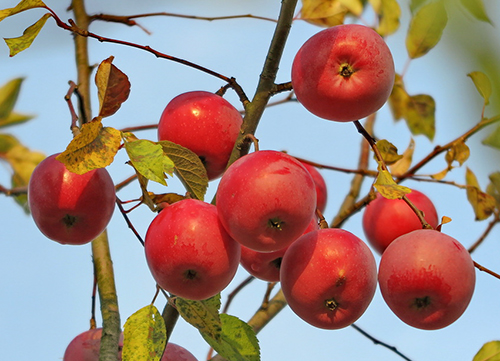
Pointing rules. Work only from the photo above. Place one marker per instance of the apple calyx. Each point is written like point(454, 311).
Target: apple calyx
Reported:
point(422, 302)
point(276, 223)
point(346, 70)
point(69, 220)
point(331, 304)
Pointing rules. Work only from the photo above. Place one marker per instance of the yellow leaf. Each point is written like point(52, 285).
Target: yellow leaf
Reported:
point(399, 99)
point(420, 115)
point(16, 45)
point(402, 165)
point(483, 85)
point(113, 87)
point(440, 175)
point(388, 151)
point(387, 187)
point(22, 6)
point(459, 152)
point(388, 12)
point(323, 12)
point(482, 203)
point(95, 147)
point(445, 220)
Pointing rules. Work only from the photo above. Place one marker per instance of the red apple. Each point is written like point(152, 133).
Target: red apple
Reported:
point(86, 346)
point(384, 219)
point(205, 123)
point(70, 208)
point(328, 277)
point(174, 352)
point(266, 265)
point(266, 200)
point(343, 73)
point(427, 279)
point(321, 190)
point(188, 252)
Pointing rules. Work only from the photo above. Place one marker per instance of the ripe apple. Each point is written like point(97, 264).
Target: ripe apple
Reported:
point(384, 219)
point(205, 123)
point(70, 208)
point(86, 346)
point(188, 252)
point(266, 200)
point(427, 279)
point(343, 73)
point(328, 277)
point(174, 352)
point(266, 265)
point(321, 190)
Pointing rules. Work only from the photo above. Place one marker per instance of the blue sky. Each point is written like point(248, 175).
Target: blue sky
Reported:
point(46, 287)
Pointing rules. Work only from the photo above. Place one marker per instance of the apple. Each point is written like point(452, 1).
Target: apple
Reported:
point(266, 200)
point(266, 265)
point(188, 252)
point(343, 73)
point(384, 219)
point(174, 352)
point(70, 208)
point(205, 123)
point(427, 279)
point(319, 182)
point(328, 277)
point(86, 346)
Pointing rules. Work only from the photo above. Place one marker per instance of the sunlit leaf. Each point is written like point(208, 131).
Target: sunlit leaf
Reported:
point(113, 87)
point(387, 187)
point(482, 203)
point(490, 351)
point(354, 6)
point(144, 335)
point(493, 139)
point(459, 152)
point(16, 45)
point(149, 160)
point(440, 175)
point(389, 13)
point(482, 83)
point(188, 167)
point(420, 115)
point(476, 8)
point(388, 151)
point(95, 147)
point(22, 6)
point(401, 166)
point(203, 315)
point(8, 97)
point(426, 28)
point(238, 340)
point(399, 99)
point(323, 12)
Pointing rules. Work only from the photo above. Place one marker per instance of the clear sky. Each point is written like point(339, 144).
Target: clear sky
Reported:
point(45, 287)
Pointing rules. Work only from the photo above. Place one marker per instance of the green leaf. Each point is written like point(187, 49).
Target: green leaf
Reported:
point(476, 8)
point(238, 340)
point(483, 84)
point(113, 87)
point(188, 167)
point(144, 335)
point(22, 6)
point(399, 99)
point(426, 28)
point(389, 13)
point(8, 97)
point(14, 119)
point(493, 189)
point(149, 160)
point(493, 140)
point(387, 187)
point(95, 147)
point(416, 4)
point(489, 352)
point(204, 315)
point(16, 45)
point(420, 115)
point(388, 151)
point(482, 203)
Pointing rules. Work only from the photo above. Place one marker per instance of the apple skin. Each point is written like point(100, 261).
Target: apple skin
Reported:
point(188, 251)
point(328, 278)
point(266, 200)
point(70, 208)
point(343, 73)
point(266, 265)
point(427, 279)
point(174, 352)
point(321, 190)
point(384, 219)
point(205, 123)
point(86, 346)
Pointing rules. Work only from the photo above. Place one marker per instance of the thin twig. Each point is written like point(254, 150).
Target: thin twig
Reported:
point(487, 270)
point(127, 220)
point(487, 231)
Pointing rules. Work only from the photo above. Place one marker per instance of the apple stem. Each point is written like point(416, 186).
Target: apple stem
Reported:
point(418, 212)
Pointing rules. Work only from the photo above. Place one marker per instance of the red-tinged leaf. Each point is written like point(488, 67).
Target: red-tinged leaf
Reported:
point(113, 87)
point(16, 45)
point(483, 84)
point(22, 6)
point(95, 147)
point(482, 203)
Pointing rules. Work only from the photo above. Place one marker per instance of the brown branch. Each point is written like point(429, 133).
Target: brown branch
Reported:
point(127, 220)
point(485, 234)
point(16, 191)
point(484, 269)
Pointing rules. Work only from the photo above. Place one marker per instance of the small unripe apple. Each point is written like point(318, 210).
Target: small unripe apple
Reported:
point(343, 73)
point(70, 208)
point(266, 200)
point(206, 124)
point(427, 279)
point(384, 219)
point(86, 346)
point(188, 252)
point(328, 277)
